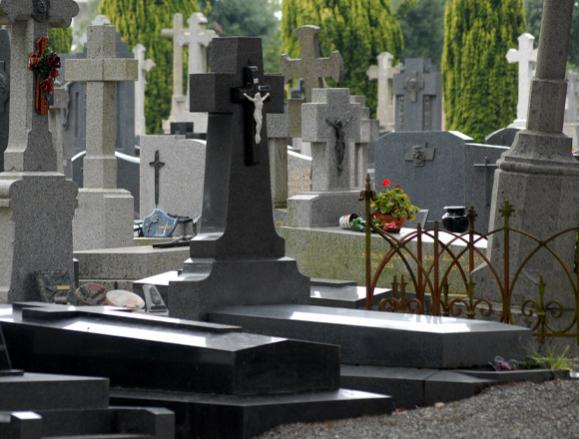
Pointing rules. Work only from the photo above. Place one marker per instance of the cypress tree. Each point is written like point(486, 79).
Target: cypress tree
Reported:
point(480, 87)
point(60, 39)
point(359, 29)
point(141, 21)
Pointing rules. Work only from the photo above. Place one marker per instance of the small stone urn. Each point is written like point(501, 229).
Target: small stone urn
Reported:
point(455, 219)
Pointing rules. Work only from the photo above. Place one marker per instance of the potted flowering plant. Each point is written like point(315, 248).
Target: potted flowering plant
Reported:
point(392, 207)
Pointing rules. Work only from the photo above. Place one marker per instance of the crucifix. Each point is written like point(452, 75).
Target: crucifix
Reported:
point(340, 145)
point(157, 164)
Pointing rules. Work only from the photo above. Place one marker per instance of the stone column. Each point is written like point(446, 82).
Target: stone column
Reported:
point(145, 66)
point(538, 175)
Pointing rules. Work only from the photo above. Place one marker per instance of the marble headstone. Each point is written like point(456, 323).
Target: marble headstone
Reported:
point(418, 91)
point(104, 217)
point(238, 258)
point(177, 178)
point(526, 58)
point(4, 92)
point(37, 203)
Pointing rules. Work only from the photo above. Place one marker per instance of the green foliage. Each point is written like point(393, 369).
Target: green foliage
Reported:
point(394, 201)
point(552, 359)
point(359, 29)
point(480, 87)
point(249, 18)
point(141, 21)
point(60, 39)
point(422, 25)
point(534, 14)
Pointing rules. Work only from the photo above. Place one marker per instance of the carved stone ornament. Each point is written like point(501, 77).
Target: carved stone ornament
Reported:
point(40, 10)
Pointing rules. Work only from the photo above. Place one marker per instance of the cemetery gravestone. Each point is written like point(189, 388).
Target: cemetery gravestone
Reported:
point(526, 57)
point(104, 217)
point(37, 203)
point(238, 258)
point(539, 176)
point(197, 40)
point(438, 169)
point(4, 92)
point(331, 122)
point(418, 91)
point(145, 66)
point(311, 68)
point(369, 131)
point(502, 137)
point(179, 110)
point(172, 172)
point(384, 73)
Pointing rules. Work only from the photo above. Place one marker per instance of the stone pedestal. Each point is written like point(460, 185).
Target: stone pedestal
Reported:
point(36, 211)
point(322, 209)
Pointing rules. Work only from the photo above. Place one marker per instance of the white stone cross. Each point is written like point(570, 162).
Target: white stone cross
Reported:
point(526, 57)
point(30, 145)
point(145, 65)
point(311, 67)
point(384, 72)
point(177, 33)
point(101, 70)
point(197, 39)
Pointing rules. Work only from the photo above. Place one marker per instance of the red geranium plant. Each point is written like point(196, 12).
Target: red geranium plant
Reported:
point(394, 202)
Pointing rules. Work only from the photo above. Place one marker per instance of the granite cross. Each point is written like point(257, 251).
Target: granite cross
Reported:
point(526, 57)
point(30, 143)
point(101, 70)
point(384, 72)
point(332, 123)
point(311, 67)
point(176, 34)
point(157, 164)
point(237, 195)
point(145, 65)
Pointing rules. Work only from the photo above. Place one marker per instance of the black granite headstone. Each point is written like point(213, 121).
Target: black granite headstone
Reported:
point(183, 129)
point(4, 92)
point(4, 357)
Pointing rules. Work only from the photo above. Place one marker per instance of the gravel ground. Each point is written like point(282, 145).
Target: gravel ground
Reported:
point(529, 411)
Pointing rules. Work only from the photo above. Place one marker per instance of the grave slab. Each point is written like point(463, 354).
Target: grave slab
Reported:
point(413, 341)
point(203, 415)
point(196, 356)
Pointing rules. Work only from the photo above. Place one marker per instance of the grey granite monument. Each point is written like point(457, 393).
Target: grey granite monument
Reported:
point(331, 122)
point(145, 66)
point(104, 217)
point(58, 110)
point(238, 258)
point(4, 92)
point(418, 90)
point(278, 132)
point(312, 68)
point(539, 176)
point(36, 203)
point(369, 132)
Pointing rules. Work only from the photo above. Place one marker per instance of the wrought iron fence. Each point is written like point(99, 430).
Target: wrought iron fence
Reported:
point(429, 278)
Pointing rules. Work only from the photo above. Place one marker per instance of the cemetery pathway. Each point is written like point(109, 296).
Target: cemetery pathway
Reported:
point(549, 410)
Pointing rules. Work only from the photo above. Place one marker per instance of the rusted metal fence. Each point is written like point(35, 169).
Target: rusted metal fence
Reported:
point(429, 279)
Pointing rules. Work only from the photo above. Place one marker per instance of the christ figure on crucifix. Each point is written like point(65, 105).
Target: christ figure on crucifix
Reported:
point(258, 101)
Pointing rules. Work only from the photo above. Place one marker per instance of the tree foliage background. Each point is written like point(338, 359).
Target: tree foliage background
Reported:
point(480, 87)
point(60, 39)
point(422, 24)
point(359, 29)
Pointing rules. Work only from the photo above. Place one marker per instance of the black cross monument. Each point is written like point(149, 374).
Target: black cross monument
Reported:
point(238, 258)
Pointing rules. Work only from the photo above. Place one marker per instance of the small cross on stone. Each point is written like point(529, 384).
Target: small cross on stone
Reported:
point(157, 164)
point(311, 67)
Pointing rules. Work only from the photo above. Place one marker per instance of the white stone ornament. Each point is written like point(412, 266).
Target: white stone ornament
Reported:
point(526, 57)
point(258, 101)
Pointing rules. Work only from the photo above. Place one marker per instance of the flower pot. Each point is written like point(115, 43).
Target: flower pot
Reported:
point(390, 223)
point(455, 219)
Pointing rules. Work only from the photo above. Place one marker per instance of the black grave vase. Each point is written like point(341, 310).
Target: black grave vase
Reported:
point(455, 219)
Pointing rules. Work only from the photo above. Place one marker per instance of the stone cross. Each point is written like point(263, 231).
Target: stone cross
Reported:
point(384, 72)
point(526, 57)
point(145, 65)
point(177, 33)
point(332, 123)
point(157, 164)
point(101, 71)
point(237, 196)
point(30, 144)
point(418, 91)
point(197, 39)
point(311, 67)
